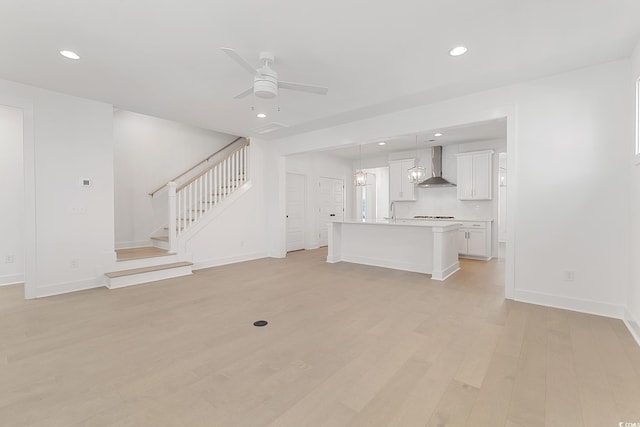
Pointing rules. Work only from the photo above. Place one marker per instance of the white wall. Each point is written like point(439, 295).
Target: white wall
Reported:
point(12, 196)
point(66, 139)
point(314, 166)
point(239, 232)
point(633, 294)
point(567, 138)
point(148, 152)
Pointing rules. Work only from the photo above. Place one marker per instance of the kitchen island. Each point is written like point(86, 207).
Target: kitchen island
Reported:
point(428, 247)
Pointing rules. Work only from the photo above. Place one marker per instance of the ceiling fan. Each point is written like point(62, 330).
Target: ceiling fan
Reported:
point(265, 79)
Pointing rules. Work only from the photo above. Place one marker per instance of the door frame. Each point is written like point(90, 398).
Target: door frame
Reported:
point(344, 193)
point(28, 159)
point(304, 211)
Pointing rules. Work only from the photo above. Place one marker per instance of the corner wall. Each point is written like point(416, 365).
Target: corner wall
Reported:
point(12, 196)
point(68, 228)
point(632, 314)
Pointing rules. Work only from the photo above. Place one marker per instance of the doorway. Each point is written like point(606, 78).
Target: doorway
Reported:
point(12, 194)
point(331, 205)
point(296, 200)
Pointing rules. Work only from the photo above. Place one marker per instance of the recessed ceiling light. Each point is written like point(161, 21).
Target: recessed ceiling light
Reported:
point(69, 54)
point(261, 115)
point(437, 134)
point(382, 143)
point(457, 51)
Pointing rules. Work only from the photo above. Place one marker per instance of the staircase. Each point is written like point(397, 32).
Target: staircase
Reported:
point(193, 198)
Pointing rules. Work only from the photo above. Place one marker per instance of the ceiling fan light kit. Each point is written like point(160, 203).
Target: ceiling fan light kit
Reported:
point(265, 85)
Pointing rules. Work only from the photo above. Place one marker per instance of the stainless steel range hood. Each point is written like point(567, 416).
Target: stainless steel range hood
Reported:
point(436, 179)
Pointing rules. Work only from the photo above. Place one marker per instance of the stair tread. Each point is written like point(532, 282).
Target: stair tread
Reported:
point(161, 238)
point(113, 274)
point(129, 254)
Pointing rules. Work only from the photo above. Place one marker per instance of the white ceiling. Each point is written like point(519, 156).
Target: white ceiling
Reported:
point(473, 132)
point(163, 58)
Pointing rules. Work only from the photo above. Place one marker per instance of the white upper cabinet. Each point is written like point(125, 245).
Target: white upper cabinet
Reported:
point(400, 189)
point(474, 175)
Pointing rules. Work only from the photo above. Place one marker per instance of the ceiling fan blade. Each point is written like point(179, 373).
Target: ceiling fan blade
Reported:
point(244, 94)
point(240, 60)
point(303, 88)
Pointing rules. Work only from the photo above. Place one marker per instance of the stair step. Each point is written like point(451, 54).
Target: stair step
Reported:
point(161, 238)
point(130, 254)
point(114, 274)
point(136, 276)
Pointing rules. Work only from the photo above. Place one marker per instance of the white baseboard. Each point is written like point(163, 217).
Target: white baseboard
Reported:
point(444, 274)
point(136, 244)
point(632, 324)
point(228, 260)
point(11, 279)
point(567, 303)
point(63, 288)
point(333, 259)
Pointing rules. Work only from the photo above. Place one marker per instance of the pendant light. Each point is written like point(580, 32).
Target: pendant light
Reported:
point(416, 173)
point(360, 177)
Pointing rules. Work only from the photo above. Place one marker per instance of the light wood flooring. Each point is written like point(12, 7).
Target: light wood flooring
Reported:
point(139, 253)
point(346, 345)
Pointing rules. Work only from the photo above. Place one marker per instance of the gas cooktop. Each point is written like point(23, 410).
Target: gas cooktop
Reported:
point(432, 217)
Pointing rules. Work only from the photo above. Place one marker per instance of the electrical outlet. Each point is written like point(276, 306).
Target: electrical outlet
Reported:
point(8, 259)
point(569, 275)
point(79, 210)
point(74, 263)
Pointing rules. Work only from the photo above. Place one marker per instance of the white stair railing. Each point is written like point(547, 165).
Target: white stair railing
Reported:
point(192, 200)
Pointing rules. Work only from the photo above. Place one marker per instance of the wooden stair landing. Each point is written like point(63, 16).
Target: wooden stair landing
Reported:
point(132, 271)
point(140, 253)
point(135, 276)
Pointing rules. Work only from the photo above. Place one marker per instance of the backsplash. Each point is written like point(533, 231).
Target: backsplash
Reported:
point(444, 202)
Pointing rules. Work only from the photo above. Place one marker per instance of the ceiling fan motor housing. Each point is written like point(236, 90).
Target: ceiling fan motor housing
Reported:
point(265, 83)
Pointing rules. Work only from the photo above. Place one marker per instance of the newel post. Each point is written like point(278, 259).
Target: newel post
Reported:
point(171, 191)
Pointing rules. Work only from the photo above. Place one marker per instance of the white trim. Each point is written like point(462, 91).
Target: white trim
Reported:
point(568, 303)
point(637, 116)
point(229, 260)
point(632, 324)
point(304, 211)
point(66, 287)
point(134, 244)
point(444, 275)
point(29, 170)
point(12, 279)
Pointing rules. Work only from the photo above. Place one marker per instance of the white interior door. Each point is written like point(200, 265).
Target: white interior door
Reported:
point(331, 205)
point(295, 211)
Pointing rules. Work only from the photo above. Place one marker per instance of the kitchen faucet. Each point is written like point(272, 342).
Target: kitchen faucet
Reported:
point(392, 210)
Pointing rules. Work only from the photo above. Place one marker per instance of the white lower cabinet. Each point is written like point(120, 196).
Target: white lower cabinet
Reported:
point(474, 239)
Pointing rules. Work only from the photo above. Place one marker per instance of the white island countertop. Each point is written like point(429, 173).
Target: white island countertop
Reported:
point(428, 247)
point(400, 222)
